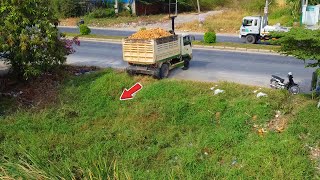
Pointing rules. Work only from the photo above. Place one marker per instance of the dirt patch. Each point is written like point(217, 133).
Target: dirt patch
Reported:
point(40, 91)
point(69, 22)
point(279, 123)
point(315, 156)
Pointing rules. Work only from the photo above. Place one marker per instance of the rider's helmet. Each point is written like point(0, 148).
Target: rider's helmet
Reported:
point(289, 74)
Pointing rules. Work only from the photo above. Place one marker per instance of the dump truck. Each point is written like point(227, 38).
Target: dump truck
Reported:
point(157, 56)
point(255, 28)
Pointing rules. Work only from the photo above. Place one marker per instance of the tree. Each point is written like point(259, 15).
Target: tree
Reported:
point(301, 43)
point(29, 41)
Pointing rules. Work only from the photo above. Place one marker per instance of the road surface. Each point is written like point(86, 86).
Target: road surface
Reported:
point(207, 65)
point(112, 32)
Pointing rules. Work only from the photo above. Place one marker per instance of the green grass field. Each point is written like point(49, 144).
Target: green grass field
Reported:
point(171, 130)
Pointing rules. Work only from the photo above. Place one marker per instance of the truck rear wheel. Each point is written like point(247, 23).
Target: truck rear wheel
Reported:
point(164, 71)
point(251, 39)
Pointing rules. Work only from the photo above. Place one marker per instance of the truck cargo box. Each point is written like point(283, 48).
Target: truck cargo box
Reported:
point(140, 51)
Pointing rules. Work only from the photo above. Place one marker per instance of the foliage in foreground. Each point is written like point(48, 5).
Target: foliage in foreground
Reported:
point(28, 40)
point(171, 129)
point(301, 43)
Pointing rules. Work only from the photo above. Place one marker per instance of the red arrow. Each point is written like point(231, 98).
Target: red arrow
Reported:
point(128, 94)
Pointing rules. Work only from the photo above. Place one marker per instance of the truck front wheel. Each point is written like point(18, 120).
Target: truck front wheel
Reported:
point(186, 64)
point(251, 39)
point(164, 71)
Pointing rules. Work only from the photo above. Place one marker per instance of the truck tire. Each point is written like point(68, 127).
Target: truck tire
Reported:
point(186, 64)
point(164, 71)
point(130, 72)
point(251, 39)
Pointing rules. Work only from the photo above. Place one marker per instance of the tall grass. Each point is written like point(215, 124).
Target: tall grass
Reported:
point(171, 129)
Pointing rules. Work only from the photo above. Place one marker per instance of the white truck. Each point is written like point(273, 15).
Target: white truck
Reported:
point(157, 56)
point(255, 28)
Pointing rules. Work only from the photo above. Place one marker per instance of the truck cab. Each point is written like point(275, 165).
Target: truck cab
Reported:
point(251, 29)
point(186, 45)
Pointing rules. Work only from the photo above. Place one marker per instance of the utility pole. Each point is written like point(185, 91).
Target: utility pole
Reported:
point(173, 14)
point(266, 11)
point(198, 3)
point(116, 7)
point(133, 7)
point(199, 12)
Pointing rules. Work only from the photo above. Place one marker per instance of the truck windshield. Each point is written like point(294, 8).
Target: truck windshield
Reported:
point(247, 22)
point(186, 40)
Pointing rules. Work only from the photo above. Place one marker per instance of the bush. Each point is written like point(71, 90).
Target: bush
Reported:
point(210, 37)
point(102, 13)
point(303, 44)
point(84, 29)
point(30, 49)
point(252, 5)
point(125, 13)
point(110, 13)
point(68, 8)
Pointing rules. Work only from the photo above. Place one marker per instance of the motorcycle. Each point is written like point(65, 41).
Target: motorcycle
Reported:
point(277, 82)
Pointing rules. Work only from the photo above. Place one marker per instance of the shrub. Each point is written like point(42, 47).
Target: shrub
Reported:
point(68, 8)
point(210, 37)
point(31, 44)
point(125, 13)
point(303, 44)
point(84, 29)
point(110, 13)
point(102, 13)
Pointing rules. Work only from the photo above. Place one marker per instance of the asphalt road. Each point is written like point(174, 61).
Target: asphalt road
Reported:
point(109, 32)
point(207, 65)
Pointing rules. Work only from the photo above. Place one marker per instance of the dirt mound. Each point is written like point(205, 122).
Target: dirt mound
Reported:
point(150, 34)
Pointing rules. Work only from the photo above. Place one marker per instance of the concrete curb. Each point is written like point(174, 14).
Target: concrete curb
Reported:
point(236, 49)
point(99, 39)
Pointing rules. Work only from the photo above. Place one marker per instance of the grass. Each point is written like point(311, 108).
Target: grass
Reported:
point(239, 45)
point(97, 36)
point(170, 130)
point(230, 21)
point(227, 22)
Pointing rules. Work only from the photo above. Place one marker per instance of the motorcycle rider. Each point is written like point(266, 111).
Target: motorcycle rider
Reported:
point(291, 82)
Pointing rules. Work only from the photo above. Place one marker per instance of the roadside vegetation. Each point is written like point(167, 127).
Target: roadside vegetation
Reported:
point(285, 12)
point(176, 129)
point(229, 21)
point(121, 21)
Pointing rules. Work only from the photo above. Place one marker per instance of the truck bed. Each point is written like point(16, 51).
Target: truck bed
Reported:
point(139, 51)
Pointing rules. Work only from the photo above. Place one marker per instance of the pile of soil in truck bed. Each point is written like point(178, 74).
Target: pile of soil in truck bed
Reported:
point(150, 34)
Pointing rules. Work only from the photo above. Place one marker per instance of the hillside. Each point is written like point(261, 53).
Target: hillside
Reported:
point(171, 129)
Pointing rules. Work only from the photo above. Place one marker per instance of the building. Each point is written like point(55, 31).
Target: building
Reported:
point(310, 14)
point(138, 8)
